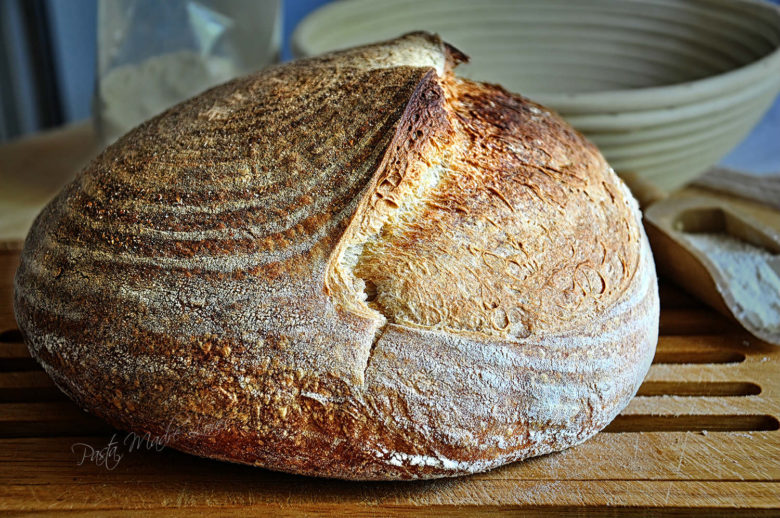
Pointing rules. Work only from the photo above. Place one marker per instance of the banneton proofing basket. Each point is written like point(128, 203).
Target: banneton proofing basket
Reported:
point(665, 88)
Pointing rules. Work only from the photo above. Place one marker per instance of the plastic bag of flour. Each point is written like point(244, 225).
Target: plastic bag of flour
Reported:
point(153, 54)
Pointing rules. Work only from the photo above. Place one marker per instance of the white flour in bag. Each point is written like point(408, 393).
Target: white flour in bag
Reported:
point(131, 94)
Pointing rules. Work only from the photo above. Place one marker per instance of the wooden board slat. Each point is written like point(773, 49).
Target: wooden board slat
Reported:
point(463, 497)
point(695, 321)
point(28, 386)
point(612, 456)
point(702, 437)
point(37, 419)
point(9, 260)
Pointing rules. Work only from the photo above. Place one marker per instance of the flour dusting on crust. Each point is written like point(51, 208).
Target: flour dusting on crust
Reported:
point(363, 267)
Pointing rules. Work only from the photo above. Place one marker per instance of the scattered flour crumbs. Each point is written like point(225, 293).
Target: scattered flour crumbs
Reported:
point(753, 273)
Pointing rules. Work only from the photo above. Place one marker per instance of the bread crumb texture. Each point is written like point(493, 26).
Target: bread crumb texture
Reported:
point(355, 266)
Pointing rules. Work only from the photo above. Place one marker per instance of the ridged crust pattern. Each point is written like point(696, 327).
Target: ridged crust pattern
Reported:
point(355, 266)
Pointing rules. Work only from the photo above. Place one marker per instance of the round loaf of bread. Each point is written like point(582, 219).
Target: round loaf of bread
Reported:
point(357, 266)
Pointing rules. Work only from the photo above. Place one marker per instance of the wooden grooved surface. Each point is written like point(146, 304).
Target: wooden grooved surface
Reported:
point(702, 437)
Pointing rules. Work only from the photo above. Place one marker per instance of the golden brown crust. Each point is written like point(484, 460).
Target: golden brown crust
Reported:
point(259, 272)
point(513, 237)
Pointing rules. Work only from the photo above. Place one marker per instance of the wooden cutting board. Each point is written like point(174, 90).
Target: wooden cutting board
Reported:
point(701, 438)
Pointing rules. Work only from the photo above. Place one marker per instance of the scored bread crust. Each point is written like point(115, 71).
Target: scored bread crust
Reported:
point(354, 266)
